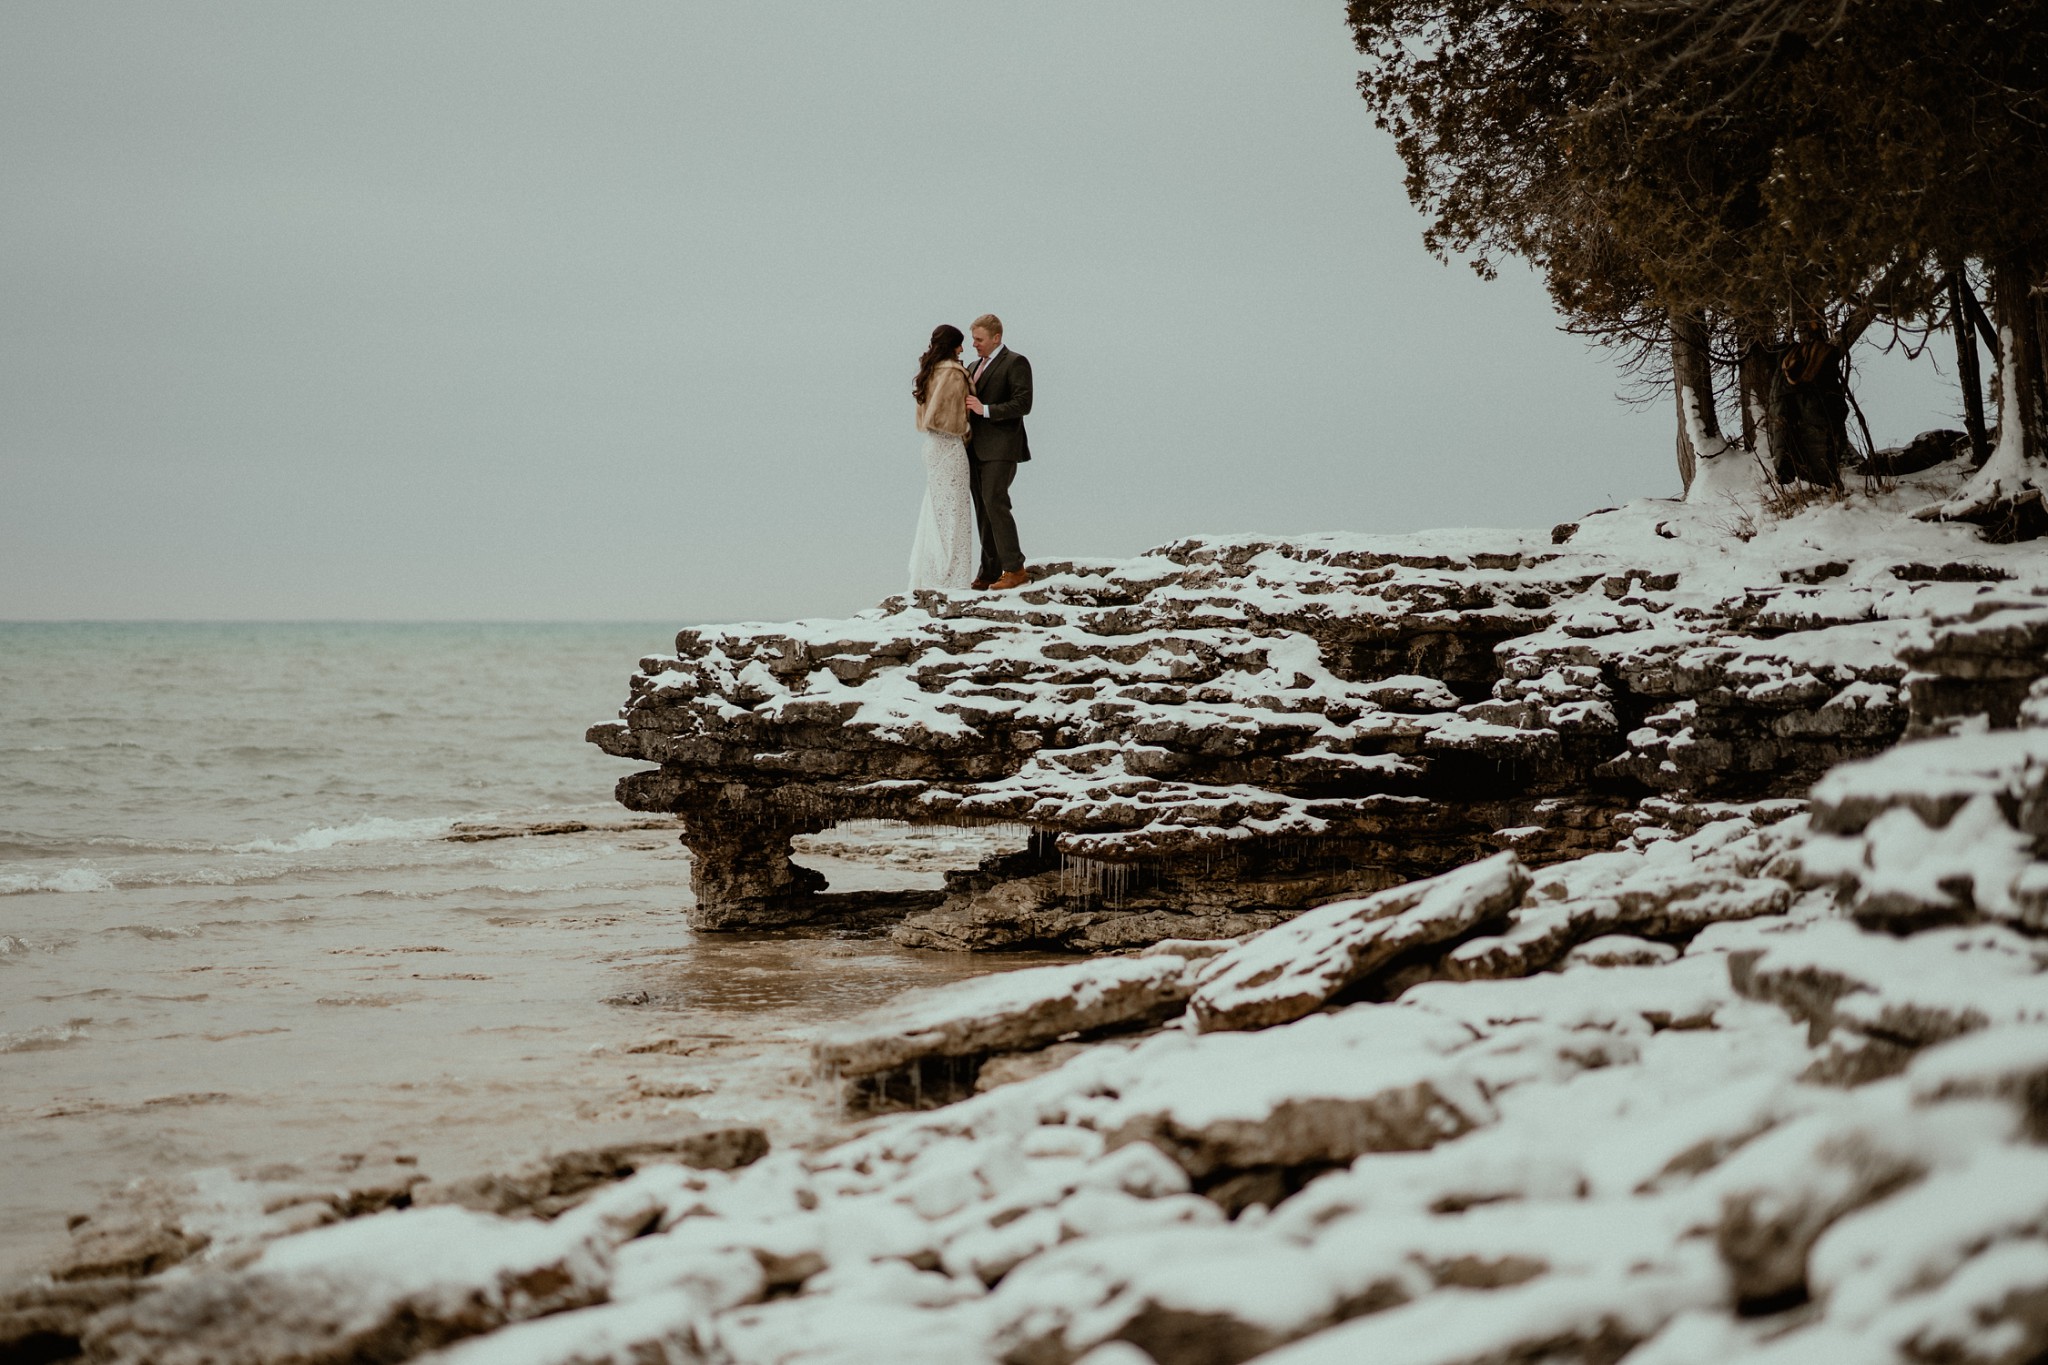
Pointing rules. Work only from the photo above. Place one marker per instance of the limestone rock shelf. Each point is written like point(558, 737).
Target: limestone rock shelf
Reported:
point(1210, 738)
point(1219, 733)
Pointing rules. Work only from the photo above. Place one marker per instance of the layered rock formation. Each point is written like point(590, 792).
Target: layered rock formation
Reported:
point(1773, 1091)
point(1208, 739)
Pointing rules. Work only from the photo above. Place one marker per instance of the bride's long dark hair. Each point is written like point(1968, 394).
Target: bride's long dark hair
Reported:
point(946, 342)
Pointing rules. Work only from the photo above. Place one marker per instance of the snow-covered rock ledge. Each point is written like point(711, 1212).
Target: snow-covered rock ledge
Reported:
point(1210, 738)
point(1770, 1090)
point(1764, 1081)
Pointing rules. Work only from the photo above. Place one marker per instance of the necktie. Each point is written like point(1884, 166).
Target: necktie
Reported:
point(979, 368)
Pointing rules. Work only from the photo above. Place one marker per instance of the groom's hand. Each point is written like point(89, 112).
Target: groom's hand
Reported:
point(975, 405)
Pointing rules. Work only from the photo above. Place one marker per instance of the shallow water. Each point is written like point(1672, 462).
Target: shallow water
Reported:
point(234, 928)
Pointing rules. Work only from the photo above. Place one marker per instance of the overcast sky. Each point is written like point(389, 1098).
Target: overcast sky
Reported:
point(609, 310)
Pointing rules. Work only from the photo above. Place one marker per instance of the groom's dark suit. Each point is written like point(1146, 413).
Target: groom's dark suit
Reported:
point(997, 444)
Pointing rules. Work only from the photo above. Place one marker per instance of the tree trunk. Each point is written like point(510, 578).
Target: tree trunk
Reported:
point(2037, 287)
point(1688, 458)
point(1985, 331)
point(1759, 430)
point(2005, 496)
point(1692, 380)
point(1807, 405)
point(1968, 373)
point(2019, 328)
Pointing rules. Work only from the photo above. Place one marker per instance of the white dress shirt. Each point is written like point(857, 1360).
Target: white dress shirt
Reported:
point(976, 372)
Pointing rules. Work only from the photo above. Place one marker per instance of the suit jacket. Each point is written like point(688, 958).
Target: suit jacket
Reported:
point(1005, 386)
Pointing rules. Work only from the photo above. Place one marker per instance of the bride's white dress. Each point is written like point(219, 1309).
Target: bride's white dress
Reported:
point(944, 554)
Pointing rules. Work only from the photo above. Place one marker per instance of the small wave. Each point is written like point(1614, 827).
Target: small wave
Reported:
point(44, 1038)
point(152, 931)
point(454, 893)
point(72, 748)
point(16, 843)
point(540, 860)
point(376, 830)
point(270, 752)
point(239, 902)
point(70, 879)
point(90, 878)
point(192, 876)
point(121, 843)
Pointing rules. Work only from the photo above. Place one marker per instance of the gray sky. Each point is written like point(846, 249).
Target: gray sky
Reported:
point(608, 310)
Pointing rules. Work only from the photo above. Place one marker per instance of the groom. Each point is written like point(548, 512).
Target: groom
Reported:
point(996, 444)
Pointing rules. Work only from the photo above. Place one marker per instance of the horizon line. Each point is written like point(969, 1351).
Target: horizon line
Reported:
point(338, 621)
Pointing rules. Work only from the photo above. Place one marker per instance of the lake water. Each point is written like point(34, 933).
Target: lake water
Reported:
point(238, 924)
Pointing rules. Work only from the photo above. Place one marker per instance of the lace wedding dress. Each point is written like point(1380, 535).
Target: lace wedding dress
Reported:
point(944, 554)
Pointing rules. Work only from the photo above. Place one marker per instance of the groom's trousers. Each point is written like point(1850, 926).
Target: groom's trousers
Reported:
point(1000, 552)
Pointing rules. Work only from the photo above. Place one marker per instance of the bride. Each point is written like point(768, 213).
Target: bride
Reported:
point(943, 555)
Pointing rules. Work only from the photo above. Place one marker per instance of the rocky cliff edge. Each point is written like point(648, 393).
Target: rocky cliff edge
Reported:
point(1208, 739)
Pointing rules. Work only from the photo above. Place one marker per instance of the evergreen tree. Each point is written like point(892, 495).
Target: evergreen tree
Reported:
point(1749, 182)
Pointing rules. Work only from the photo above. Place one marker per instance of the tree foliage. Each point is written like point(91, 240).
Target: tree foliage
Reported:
point(1747, 173)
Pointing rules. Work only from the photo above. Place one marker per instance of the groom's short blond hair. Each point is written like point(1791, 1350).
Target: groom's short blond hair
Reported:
point(990, 323)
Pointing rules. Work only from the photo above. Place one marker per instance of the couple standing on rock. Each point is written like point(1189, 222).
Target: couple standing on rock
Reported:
point(973, 425)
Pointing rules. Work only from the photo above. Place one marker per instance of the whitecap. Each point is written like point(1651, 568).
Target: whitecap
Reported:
point(90, 878)
point(70, 879)
point(376, 830)
point(46, 1037)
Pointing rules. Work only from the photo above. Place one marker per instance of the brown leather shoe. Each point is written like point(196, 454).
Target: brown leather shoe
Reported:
point(1012, 578)
point(981, 584)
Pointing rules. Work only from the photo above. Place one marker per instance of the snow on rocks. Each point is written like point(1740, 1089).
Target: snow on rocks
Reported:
point(1980, 662)
point(1287, 972)
point(1906, 992)
point(1666, 888)
point(1317, 1093)
point(1937, 831)
point(1621, 950)
point(549, 1184)
point(377, 1288)
point(930, 1044)
point(1681, 1072)
point(1224, 732)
